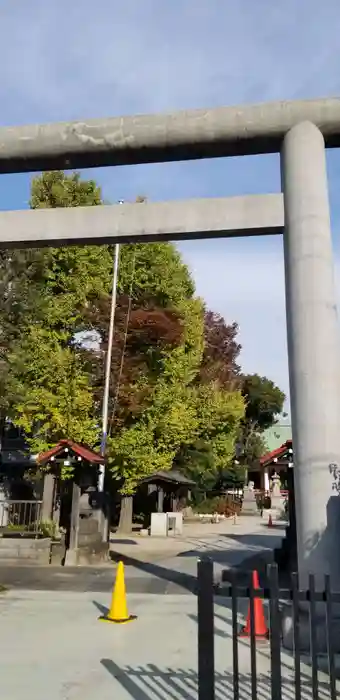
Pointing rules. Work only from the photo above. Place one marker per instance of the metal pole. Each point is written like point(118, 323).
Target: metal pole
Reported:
point(105, 411)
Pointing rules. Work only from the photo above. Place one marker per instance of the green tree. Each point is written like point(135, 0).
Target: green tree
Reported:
point(48, 385)
point(71, 277)
point(264, 403)
point(160, 276)
point(56, 189)
point(150, 322)
point(219, 413)
point(197, 462)
point(53, 397)
point(169, 419)
point(21, 301)
point(160, 403)
point(155, 313)
point(220, 407)
point(52, 285)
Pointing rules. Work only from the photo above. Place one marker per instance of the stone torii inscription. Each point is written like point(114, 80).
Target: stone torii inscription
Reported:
point(299, 131)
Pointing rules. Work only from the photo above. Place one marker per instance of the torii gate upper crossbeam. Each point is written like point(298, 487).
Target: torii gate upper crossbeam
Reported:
point(186, 135)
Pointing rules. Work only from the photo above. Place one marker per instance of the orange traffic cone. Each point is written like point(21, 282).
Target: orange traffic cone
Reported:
point(261, 629)
point(118, 612)
point(270, 521)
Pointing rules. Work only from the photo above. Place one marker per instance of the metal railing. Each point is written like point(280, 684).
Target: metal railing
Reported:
point(275, 598)
point(21, 515)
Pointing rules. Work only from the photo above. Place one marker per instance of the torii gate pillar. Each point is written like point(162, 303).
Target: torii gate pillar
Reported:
point(313, 351)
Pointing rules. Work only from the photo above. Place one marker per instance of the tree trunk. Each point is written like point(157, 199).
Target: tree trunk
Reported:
point(125, 518)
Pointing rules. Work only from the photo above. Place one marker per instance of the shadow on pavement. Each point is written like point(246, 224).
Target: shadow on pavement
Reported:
point(262, 647)
point(119, 540)
point(257, 540)
point(150, 682)
point(179, 578)
point(250, 559)
point(101, 608)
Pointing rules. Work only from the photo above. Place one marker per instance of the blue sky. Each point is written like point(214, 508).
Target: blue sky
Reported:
point(63, 60)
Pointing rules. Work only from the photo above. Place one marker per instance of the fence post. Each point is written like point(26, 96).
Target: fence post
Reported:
point(275, 633)
point(296, 634)
point(313, 637)
point(330, 640)
point(205, 614)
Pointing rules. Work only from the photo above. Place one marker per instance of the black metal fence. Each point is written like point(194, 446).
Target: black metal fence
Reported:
point(274, 599)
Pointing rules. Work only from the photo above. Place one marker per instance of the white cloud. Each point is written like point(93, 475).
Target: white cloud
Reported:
point(62, 60)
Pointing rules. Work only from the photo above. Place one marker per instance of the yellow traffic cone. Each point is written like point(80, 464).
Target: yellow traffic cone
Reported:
point(118, 612)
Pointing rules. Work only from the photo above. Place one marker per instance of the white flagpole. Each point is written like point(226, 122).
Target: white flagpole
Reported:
point(105, 411)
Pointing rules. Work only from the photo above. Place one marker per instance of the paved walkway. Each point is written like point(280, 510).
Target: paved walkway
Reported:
point(156, 566)
point(226, 542)
point(54, 647)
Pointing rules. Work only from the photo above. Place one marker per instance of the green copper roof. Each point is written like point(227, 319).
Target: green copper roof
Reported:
point(276, 435)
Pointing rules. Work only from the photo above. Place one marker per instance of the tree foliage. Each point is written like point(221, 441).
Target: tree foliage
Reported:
point(157, 325)
point(220, 405)
point(52, 394)
point(48, 389)
point(264, 402)
point(160, 276)
point(55, 189)
point(197, 462)
point(168, 418)
point(221, 351)
point(177, 396)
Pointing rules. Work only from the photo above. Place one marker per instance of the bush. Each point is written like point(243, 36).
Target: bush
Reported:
point(46, 528)
point(223, 505)
point(228, 506)
point(14, 527)
point(49, 528)
point(209, 505)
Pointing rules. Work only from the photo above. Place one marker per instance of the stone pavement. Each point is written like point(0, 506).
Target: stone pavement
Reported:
point(54, 647)
point(156, 566)
point(245, 536)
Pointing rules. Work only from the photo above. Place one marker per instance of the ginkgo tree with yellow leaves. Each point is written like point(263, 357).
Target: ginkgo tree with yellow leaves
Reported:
point(166, 392)
point(169, 420)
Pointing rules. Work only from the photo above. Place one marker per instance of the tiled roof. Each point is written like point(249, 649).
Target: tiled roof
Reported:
point(80, 450)
point(172, 476)
point(278, 453)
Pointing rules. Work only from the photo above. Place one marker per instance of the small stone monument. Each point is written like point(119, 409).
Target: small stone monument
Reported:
point(3, 507)
point(249, 505)
point(276, 500)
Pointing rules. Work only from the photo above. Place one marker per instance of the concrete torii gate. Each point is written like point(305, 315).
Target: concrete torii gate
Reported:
point(299, 131)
